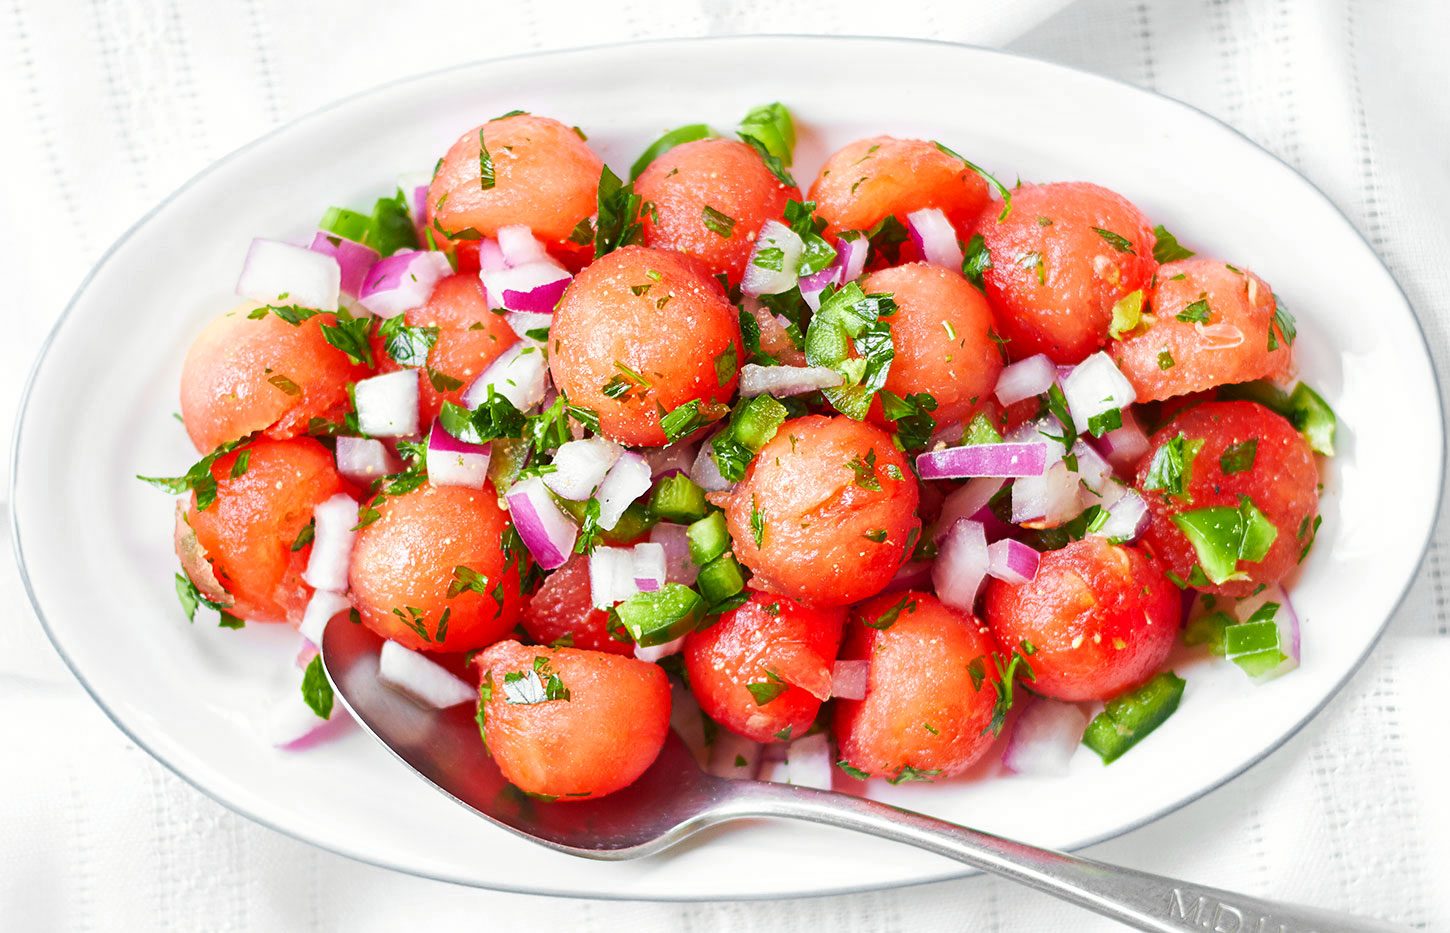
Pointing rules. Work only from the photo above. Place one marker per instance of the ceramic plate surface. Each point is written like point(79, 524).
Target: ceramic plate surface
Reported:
point(96, 544)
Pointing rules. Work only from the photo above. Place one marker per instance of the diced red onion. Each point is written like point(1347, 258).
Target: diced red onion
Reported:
point(1005, 459)
point(353, 259)
point(402, 281)
point(996, 528)
point(706, 472)
point(653, 654)
point(1012, 561)
point(332, 541)
point(812, 285)
point(1219, 336)
point(536, 287)
point(966, 501)
point(759, 280)
point(1096, 386)
point(452, 462)
point(1025, 378)
point(650, 566)
point(364, 459)
point(688, 722)
point(281, 273)
point(521, 322)
point(628, 479)
point(851, 257)
point(519, 246)
point(1051, 498)
point(290, 723)
point(423, 680)
point(786, 380)
point(1127, 518)
point(733, 757)
point(679, 568)
point(1045, 430)
point(961, 563)
point(323, 605)
point(519, 374)
point(666, 461)
point(387, 405)
point(611, 575)
point(912, 575)
point(808, 759)
point(933, 235)
point(848, 679)
point(490, 257)
point(1044, 738)
point(580, 466)
point(1124, 446)
point(546, 531)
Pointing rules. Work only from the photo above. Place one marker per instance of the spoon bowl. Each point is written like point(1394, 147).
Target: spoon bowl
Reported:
point(674, 799)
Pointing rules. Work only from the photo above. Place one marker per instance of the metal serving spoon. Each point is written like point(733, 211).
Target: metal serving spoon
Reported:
point(675, 799)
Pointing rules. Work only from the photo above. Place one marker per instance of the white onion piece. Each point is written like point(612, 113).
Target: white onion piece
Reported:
point(848, 679)
point(281, 273)
point(808, 759)
point(402, 281)
point(1044, 738)
point(650, 567)
point(961, 563)
point(1051, 498)
point(332, 541)
point(452, 462)
point(706, 472)
point(1046, 429)
point(666, 461)
point(323, 605)
point(688, 721)
point(519, 374)
point(628, 479)
point(1094, 471)
point(364, 459)
point(519, 246)
point(580, 466)
point(1127, 518)
point(933, 235)
point(1125, 446)
point(786, 380)
point(537, 286)
point(521, 322)
point(353, 259)
point(1096, 386)
point(781, 275)
point(490, 257)
point(1012, 561)
point(653, 654)
point(1026, 378)
point(674, 539)
point(966, 501)
point(387, 405)
point(611, 576)
point(546, 531)
point(734, 757)
point(423, 680)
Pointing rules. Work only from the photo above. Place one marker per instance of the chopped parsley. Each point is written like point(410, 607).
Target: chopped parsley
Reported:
point(486, 178)
point(350, 335)
point(888, 618)
point(305, 536)
point(689, 418)
point(849, 318)
point(198, 479)
point(757, 522)
point(316, 691)
point(1110, 420)
point(618, 222)
point(190, 597)
point(1196, 312)
point(767, 690)
point(912, 416)
point(1118, 242)
point(718, 223)
point(1171, 466)
point(1166, 247)
point(1002, 189)
point(976, 259)
point(865, 471)
point(1283, 323)
point(408, 346)
point(852, 770)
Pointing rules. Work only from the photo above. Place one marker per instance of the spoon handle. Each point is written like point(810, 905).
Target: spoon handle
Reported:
point(1139, 899)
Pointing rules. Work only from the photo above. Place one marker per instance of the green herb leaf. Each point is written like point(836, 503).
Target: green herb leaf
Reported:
point(617, 221)
point(1239, 458)
point(1172, 466)
point(976, 260)
point(316, 691)
point(1166, 247)
point(912, 415)
point(350, 335)
point(765, 691)
point(408, 346)
point(718, 223)
point(494, 418)
point(198, 478)
point(1119, 242)
point(852, 770)
point(486, 178)
point(1196, 312)
point(1002, 189)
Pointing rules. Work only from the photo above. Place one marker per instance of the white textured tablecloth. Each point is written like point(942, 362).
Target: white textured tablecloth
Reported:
point(109, 105)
